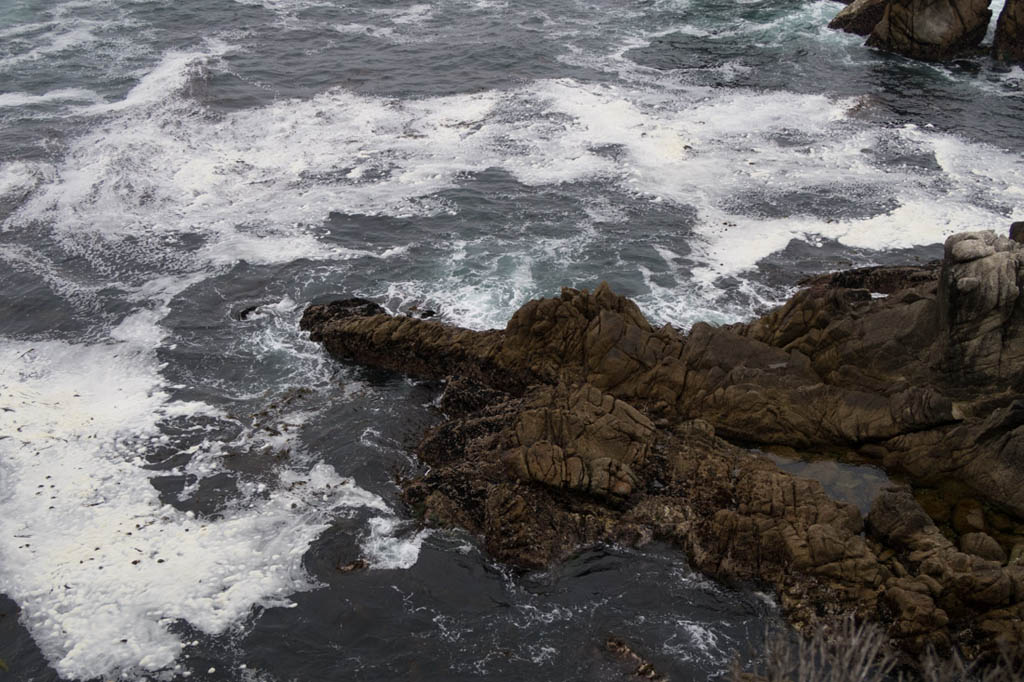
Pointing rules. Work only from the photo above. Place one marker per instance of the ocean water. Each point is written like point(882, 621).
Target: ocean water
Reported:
point(182, 472)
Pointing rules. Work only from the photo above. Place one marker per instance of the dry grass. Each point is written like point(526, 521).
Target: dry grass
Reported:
point(851, 652)
point(844, 653)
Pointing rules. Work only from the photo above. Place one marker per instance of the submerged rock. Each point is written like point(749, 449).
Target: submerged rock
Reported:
point(582, 423)
point(1008, 44)
point(643, 669)
point(931, 29)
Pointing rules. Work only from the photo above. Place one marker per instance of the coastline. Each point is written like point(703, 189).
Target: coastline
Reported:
point(580, 423)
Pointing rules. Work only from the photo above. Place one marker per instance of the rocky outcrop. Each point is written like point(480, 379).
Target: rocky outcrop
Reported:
point(931, 29)
point(582, 423)
point(859, 17)
point(1008, 44)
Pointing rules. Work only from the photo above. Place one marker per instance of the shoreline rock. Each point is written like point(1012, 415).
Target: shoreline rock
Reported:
point(1008, 44)
point(859, 17)
point(932, 30)
point(581, 423)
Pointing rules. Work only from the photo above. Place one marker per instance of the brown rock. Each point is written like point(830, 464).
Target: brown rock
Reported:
point(983, 545)
point(916, 612)
point(931, 29)
point(968, 517)
point(581, 423)
point(1017, 228)
point(897, 518)
point(584, 440)
point(1008, 44)
point(642, 668)
point(859, 17)
point(934, 504)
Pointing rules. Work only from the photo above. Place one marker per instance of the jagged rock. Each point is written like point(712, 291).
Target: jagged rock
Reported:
point(859, 17)
point(916, 618)
point(897, 518)
point(586, 441)
point(582, 423)
point(931, 29)
point(314, 316)
point(879, 279)
point(983, 545)
point(352, 566)
point(1008, 44)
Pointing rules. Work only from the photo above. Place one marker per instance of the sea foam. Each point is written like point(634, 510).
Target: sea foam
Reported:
point(100, 567)
point(258, 184)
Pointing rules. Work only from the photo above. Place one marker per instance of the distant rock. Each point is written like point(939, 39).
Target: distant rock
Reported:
point(1008, 45)
point(859, 17)
point(932, 30)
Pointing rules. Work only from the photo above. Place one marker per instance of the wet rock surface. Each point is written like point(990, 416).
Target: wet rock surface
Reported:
point(581, 423)
point(931, 29)
point(1008, 44)
point(859, 17)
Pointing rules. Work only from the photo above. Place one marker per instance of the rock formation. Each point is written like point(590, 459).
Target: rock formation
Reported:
point(1008, 45)
point(931, 29)
point(859, 17)
point(581, 423)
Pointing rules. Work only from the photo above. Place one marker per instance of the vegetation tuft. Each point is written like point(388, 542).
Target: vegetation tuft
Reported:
point(850, 652)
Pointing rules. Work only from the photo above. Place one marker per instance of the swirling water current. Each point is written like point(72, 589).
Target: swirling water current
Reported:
point(182, 472)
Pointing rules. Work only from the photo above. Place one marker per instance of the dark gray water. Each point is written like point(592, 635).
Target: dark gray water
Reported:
point(179, 481)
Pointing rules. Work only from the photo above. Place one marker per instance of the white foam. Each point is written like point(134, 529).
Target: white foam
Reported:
point(368, 29)
point(499, 285)
point(695, 640)
point(490, 5)
point(1004, 84)
point(387, 548)
point(997, 7)
point(166, 79)
point(259, 184)
point(83, 296)
point(22, 29)
point(412, 14)
point(99, 566)
point(20, 99)
point(288, 6)
point(19, 177)
point(61, 39)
